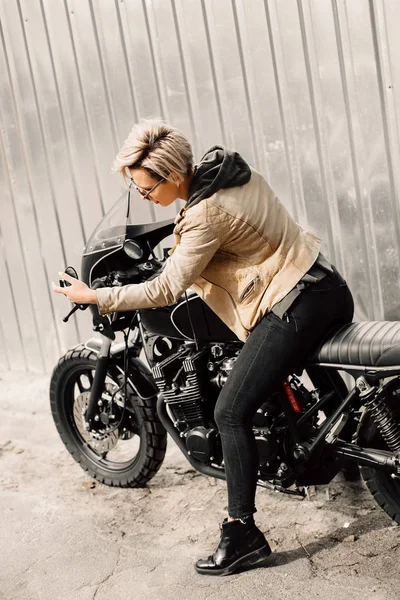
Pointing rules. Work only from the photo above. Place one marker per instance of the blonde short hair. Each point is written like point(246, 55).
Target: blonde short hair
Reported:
point(158, 148)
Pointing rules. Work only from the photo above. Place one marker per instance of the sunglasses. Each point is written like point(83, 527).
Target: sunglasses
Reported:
point(145, 193)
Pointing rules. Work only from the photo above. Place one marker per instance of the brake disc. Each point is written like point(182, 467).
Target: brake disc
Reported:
point(99, 441)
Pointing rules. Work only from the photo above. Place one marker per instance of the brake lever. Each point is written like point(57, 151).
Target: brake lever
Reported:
point(71, 312)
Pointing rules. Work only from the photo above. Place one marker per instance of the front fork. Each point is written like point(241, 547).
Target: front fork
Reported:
point(104, 355)
point(101, 324)
point(100, 374)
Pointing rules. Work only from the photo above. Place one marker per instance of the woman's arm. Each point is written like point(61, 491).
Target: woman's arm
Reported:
point(198, 244)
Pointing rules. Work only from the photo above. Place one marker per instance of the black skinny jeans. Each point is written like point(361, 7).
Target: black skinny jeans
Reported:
point(275, 348)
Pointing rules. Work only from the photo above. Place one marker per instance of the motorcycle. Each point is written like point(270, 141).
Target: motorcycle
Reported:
point(113, 411)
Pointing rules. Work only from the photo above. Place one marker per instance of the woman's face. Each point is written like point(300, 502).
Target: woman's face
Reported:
point(164, 194)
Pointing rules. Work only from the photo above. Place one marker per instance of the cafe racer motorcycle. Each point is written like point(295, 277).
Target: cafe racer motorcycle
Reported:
point(114, 401)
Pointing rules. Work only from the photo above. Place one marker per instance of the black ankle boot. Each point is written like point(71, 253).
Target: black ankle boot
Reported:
point(242, 545)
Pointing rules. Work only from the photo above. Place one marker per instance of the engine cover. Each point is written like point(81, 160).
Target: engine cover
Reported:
point(267, 447)
point(201, 443)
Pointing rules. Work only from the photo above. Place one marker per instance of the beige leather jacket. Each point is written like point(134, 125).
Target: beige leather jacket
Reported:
point(239, 250)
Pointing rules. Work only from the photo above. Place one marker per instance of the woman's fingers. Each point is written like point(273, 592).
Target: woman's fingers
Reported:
point(57, 288)
point(78, 292)
point(66, 277)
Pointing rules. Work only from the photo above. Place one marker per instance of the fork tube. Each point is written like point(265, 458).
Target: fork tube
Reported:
point(100, 374)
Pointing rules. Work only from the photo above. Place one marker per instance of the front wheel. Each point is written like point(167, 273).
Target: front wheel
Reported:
point(128, 446)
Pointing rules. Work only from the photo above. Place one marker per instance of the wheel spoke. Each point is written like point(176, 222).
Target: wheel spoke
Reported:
point(85, 381)
point(80, 385)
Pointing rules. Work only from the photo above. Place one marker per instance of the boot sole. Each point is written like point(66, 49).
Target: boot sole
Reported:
point(257, 558)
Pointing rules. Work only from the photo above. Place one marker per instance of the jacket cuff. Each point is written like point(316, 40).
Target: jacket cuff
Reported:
point(104, 299)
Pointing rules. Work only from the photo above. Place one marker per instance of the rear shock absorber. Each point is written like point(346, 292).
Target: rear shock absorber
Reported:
point(374, 401)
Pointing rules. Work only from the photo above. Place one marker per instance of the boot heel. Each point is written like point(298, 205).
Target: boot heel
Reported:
point(260, 557)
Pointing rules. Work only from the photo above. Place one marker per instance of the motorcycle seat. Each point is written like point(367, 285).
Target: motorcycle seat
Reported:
point(368, 343)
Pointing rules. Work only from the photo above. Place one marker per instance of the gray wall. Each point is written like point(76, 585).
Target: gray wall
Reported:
point(307, 91)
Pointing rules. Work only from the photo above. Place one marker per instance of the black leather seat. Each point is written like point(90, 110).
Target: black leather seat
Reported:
point(369, 343)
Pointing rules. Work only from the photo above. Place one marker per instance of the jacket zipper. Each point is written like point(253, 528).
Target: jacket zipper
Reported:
point(249, 289)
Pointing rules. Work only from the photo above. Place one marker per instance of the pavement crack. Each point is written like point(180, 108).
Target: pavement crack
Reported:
point(25, 570)
point(99, 585)
point(33, 564)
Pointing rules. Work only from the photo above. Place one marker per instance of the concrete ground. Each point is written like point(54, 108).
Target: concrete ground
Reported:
point(63, 536)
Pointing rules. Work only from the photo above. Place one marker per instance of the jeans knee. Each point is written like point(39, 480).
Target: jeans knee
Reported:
point(219, 416)
point(223, 417)
point(226, 418)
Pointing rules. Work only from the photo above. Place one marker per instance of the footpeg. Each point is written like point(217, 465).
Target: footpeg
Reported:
point(337, 427)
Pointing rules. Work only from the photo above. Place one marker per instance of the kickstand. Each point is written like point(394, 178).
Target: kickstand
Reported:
point(300, 493)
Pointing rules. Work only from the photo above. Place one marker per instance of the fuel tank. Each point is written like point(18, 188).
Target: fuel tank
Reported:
point(176, 321)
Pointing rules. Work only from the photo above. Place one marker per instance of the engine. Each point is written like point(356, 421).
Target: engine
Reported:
point(180, 379)
point(190, 381)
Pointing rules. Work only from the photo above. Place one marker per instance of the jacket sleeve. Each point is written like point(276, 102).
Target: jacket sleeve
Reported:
point(198, 244)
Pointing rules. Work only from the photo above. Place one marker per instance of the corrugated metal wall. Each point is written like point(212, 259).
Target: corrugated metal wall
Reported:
point(308, 91)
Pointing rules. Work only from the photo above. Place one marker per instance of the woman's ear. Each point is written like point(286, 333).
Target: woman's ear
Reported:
point(177, 179)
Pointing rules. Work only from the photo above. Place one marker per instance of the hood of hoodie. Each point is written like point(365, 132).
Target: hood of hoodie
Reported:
point(219, 168)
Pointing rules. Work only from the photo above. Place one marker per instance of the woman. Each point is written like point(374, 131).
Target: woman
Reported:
point(241, 251)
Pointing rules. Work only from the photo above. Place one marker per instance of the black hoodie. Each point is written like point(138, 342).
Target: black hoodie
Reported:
point(219, 168)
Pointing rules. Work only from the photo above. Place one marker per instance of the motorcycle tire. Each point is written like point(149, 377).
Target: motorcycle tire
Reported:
point(384, 488)
point(69, 391)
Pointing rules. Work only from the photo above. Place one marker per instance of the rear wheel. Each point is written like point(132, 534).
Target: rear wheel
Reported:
point(384, 488)
point(128, 445)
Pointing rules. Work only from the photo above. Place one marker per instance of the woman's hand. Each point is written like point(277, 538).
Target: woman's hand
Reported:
point(77, 292)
